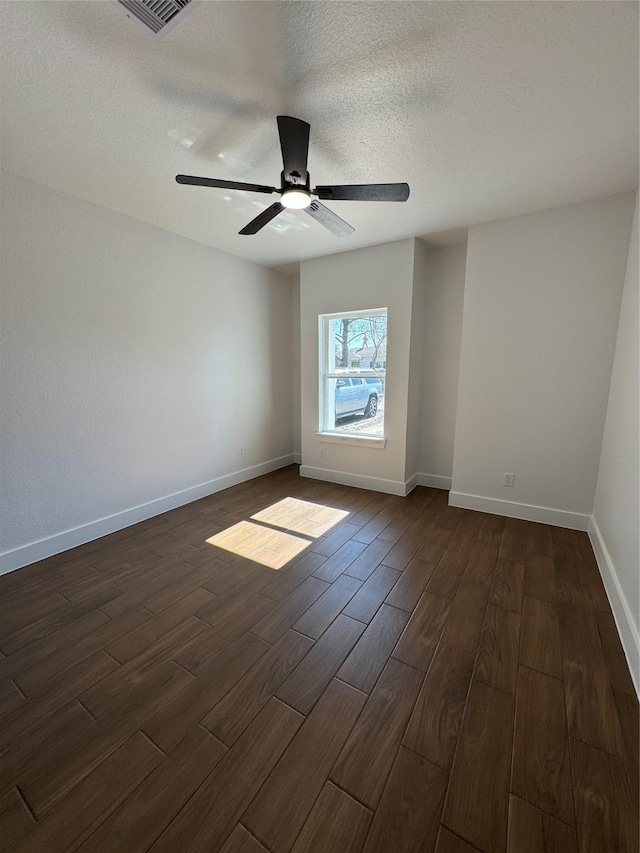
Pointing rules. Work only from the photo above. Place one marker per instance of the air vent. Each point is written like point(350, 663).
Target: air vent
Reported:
point(159, 16)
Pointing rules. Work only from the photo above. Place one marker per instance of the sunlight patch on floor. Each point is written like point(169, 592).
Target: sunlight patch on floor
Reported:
point(304, 517)
point(272, 548)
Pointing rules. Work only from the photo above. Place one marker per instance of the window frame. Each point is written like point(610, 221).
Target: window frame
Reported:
point(327, 372)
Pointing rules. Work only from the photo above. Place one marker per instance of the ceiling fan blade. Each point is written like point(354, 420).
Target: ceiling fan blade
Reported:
point(294, 142)
point(262, 219)
point(329, 219)
point(224, 185)
point(364, 192)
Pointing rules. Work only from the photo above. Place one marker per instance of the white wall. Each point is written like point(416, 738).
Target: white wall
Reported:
point(135, 364)
point(616, 514)
point(378, 277)
point(295, 348)
point(442, 333)
point(416, 360)
point(541, 306)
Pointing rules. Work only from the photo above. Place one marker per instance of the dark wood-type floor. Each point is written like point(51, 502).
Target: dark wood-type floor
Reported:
point(420, 678)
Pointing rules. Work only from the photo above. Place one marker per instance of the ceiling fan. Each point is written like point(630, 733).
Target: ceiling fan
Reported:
point(295, 191)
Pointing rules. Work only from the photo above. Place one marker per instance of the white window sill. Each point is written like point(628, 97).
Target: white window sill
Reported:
point(371, 441)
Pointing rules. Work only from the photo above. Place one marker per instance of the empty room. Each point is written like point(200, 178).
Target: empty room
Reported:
point(319, 426)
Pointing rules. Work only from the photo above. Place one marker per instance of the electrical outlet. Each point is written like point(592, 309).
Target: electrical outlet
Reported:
point(323, 453)
point(244, 452)
point(509, 479)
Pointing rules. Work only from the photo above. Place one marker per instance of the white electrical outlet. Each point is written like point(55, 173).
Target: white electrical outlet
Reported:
point(244, 452)
point(323, 453)
point(509, 479)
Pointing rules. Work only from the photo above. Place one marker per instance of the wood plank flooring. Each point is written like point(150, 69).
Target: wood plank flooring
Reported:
point(292, 666)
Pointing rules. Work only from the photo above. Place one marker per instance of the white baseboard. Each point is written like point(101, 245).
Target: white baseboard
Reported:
point(410, 484)
point(627, 629)
point(359, 481)
point(527, 512)
point(34, 551)
point(297, 458)
point(435, 481)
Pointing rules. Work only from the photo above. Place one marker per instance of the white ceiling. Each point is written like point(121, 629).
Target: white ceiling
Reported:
point(487, 109)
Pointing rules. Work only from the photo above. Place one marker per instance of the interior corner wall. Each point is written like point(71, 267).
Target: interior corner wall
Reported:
point(616, 516)
point(541, 306)
point(415, 363)
point(444, 275)
point(377, 277)
point(135, 364)
point(295, 358)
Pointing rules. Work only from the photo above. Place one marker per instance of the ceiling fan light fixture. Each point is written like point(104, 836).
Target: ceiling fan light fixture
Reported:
point(295, 183)
point(295, 199)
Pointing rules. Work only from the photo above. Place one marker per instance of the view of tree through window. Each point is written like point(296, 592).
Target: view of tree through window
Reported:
point(353, 363)
point(361, 342)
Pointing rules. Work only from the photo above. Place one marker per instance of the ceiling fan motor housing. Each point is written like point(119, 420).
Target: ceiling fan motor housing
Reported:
point(296, 180)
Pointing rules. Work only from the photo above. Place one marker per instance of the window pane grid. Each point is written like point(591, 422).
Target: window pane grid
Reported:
point(355, 374)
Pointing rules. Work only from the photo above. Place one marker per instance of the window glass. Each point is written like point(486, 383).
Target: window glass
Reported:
point(353, 345)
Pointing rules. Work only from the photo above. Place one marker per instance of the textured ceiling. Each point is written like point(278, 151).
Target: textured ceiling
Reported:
point(487, 109)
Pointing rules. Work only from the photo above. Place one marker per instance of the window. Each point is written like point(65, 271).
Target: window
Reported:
point(353, 359)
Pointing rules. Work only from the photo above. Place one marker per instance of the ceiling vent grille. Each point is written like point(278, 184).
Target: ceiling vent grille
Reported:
point(159, 16)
